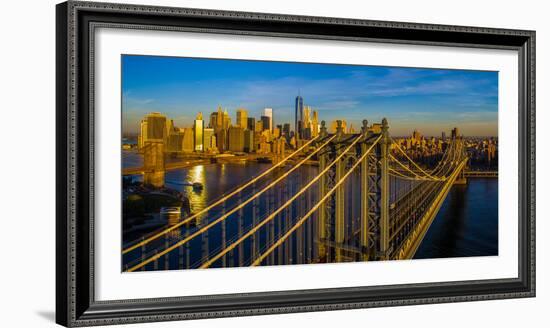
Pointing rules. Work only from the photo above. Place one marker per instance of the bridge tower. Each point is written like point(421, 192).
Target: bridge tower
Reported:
point(153, 163)
point(336, 242)
point(461, 179)
point(325, 209)
point(384, 223)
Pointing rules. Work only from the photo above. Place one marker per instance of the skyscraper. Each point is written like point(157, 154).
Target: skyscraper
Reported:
point(251, 124)
point(286, 130)
point(266, 120)
point(269, 113)
point(298, 114)
point(198, 127)
point(213, 123)
point(315, 124)
point(226, 120)
point(219, 118)
point(248, 140)
point(242, 116)
point(454, 133)
point(307, 116)
point(207, 139)
point(236, 139)
point(175, 140)
point(187, 142)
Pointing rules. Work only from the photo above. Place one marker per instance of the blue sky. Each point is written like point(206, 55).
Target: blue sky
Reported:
point(430, 100)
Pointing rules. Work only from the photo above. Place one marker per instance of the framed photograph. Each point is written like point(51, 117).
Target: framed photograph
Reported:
point(214, 163)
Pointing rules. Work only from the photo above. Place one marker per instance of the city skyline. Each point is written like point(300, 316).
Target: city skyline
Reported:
point(428, 100)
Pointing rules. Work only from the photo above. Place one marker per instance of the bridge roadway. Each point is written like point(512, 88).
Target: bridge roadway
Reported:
point(413, 241)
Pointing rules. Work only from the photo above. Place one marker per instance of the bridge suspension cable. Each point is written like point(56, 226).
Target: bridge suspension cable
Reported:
point(302, 220)
point(400, 175)
point(216, 203)
point(441, 162)
point(413, 162)
point(223, 217)
point(452, 161)
point(286, 204)
point(418, 177)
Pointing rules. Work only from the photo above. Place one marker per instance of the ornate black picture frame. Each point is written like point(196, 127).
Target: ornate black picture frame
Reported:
point(75, 301)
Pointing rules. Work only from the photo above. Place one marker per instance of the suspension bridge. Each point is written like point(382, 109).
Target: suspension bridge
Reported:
point(367, 200)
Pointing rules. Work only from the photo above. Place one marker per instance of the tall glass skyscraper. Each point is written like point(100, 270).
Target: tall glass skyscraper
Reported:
point(298, 115)
point(199, 130)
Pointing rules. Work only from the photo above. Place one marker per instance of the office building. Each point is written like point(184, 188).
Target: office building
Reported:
point(259, 126)
point(221, 140)
point(187, 141)
point(198, 127)
point(226, 120)
point(209, 144)
point(213, 123)
point(315, 124)
point(269, 113)
point(298, 114)
point(266, 121)
point(251, 124)
point(242, 118)
point(286, 130)
point(235, 138)
point(249, 141)
point(175, 141)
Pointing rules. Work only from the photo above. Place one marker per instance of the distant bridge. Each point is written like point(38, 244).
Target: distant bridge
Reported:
point(321, 221)
point(167, 167)
point(481, 174)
